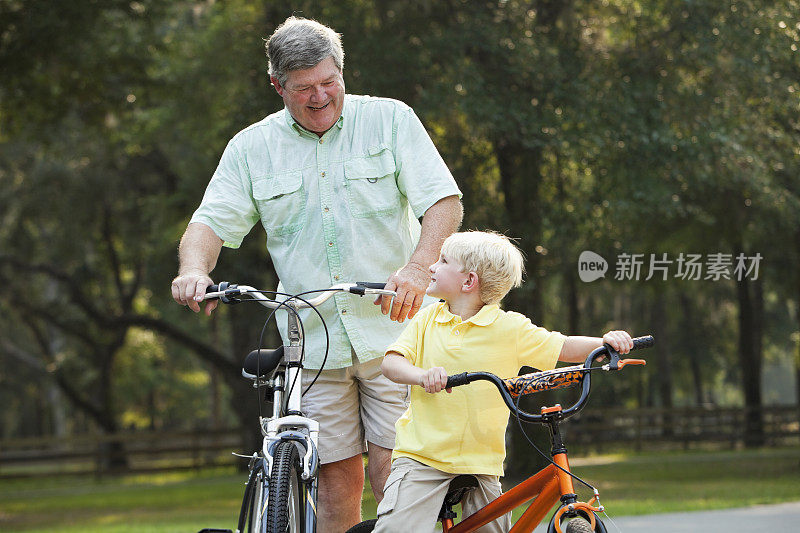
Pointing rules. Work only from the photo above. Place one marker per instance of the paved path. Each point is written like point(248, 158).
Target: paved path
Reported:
point(757, 519)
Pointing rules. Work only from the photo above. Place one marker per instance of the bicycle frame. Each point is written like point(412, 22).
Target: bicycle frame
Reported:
point(549, 486)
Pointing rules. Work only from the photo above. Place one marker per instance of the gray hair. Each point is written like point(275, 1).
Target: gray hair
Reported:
point(301, 43)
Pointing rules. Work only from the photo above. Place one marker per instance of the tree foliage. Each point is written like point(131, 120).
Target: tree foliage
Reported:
point(658, 127)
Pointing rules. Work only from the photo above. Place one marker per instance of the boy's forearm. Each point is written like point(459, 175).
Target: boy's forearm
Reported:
point(577, 348)
point(400, 370)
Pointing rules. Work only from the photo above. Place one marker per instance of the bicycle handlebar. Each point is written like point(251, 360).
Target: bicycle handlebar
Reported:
point(553, 379)
point(227, 293)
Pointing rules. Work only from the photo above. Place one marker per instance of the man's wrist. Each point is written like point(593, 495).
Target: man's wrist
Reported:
point(192, 270)
point(418, 266)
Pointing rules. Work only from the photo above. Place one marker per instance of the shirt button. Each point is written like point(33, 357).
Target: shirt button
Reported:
point(326, 209)
point(323, 174)
point(336, 278)
point(330, 244)
point(321, 141)
point(344, 311)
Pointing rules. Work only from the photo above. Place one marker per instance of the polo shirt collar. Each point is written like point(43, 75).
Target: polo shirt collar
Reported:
point(484, 317)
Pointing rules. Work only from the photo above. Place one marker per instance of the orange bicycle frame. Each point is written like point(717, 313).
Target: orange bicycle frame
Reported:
point(547, 486)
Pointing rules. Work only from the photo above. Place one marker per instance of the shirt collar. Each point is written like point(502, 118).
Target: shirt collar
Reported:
point(484, 317)
point(293, 124)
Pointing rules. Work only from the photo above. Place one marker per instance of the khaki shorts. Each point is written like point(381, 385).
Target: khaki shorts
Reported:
point(414, 493)
point(353, 405)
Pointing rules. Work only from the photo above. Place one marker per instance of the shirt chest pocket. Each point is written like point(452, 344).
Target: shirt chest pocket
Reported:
point(281, 202)
point(370, 184)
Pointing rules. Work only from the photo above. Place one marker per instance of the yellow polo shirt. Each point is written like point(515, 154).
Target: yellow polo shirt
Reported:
point(464, 432)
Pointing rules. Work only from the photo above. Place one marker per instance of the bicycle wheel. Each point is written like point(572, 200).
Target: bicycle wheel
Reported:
point(284, 509)
point(578, 524)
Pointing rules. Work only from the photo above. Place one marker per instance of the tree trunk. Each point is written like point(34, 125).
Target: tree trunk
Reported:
point(750, 307)
point(690, 333)
point(663, 361)
point(520, 175)
point(573, 312)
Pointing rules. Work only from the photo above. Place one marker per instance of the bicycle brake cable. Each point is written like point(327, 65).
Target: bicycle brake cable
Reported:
point(291, 309)
point(327, 336)
point(290, 297)
point(263, 330)
point(547, 458)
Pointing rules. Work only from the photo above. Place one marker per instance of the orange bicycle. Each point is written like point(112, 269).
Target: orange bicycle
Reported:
point(554, 483)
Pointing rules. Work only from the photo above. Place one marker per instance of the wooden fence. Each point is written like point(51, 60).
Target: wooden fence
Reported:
point(594, 429)
point(684, 428)
point(121, 452)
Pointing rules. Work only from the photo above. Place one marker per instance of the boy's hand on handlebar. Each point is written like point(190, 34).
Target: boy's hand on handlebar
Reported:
point(434, 380)
point(189, 289)
point(410, 283)
point(621, 341)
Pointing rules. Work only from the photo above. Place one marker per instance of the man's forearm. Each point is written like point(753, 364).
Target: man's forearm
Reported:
point(199, 250)
point(440, 221)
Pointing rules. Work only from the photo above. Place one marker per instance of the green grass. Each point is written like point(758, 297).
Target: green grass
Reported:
point(693, 481)
point(189, 501)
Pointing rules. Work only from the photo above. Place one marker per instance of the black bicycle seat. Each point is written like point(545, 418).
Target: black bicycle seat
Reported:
point(262, 363)
point(458, 488)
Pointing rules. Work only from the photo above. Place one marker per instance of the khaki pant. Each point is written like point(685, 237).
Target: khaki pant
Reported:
point(414, 493)
point(353, 405)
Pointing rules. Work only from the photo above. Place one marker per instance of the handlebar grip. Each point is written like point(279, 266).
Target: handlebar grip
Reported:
point(222, 287)
point(643, 342)
point(370, 285)
point(456, 380)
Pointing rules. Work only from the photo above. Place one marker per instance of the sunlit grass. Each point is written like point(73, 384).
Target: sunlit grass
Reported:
point(188, 501)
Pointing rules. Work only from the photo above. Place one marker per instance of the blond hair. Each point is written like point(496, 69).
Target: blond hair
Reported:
point(492, 256)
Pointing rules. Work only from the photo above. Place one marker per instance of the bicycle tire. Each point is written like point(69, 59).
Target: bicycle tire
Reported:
point(284, 509)
point(579, 527)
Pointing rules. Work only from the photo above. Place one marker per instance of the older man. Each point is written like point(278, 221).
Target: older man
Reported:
point(338, 181)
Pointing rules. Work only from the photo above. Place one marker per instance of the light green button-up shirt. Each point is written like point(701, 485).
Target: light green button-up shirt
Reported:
point(338, 208)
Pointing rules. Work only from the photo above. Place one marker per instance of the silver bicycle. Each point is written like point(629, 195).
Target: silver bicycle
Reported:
point(281, 491)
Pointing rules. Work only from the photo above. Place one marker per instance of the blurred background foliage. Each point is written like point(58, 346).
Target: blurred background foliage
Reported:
point(617, 126)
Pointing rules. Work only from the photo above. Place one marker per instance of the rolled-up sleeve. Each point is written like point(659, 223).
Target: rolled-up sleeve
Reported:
point(422, 175)
point(228, 207)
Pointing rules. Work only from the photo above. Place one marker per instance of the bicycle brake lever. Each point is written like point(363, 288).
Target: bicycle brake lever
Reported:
point(613, 356)
point(631, 362)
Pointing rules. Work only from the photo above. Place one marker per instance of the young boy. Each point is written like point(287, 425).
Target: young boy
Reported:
point(443, 435)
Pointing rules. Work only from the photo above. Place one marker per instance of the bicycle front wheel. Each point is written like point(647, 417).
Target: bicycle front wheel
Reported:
point(284, 509)
point(578, 524)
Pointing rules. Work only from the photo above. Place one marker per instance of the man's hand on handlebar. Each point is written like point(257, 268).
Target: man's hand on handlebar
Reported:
point(410, 283)
point(189, 289)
